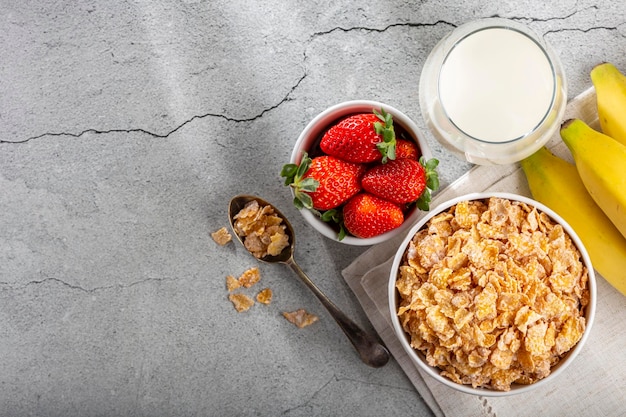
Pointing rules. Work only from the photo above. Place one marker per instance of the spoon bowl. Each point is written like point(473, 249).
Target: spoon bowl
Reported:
point(239, 202)
point(368, 346)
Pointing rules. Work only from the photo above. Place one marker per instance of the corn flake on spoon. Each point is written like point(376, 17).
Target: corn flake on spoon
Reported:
point(371, 351)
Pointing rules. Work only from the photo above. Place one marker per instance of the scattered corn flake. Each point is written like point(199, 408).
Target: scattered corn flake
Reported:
point(232, 283)
point(300, 318)
point(221, 236)
point(492, 292)
point(264, 296)
point(250, 277)
point(262, 229)
point(241, 302)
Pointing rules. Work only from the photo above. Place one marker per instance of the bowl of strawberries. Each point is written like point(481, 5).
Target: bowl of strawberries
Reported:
point(361, 172)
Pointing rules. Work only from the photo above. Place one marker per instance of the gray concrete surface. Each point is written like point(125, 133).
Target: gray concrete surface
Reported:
point(125, 127)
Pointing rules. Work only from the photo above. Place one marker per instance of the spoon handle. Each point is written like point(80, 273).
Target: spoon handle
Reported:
point(371, 351)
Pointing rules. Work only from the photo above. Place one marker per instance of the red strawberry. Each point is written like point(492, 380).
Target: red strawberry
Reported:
point(400, 181)
point(406, 149)
point(324, 182)
point(366, 215)
point(361, 138)
point(403, 181)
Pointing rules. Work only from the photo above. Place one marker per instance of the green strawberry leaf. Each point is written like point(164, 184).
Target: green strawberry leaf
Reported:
point(305, 163)
point(423, 203)
point(289, 172)
point(432, 176)
point(387, 147)
point(305, 200)
point(308, 184)
point(432, 183)
point(298, 203)
point(301, 186)
point(431, 164)
point(342, 232)
point(334, 216)
point(331, 215)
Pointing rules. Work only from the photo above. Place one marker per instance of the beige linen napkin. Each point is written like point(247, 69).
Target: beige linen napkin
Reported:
point(594, 385)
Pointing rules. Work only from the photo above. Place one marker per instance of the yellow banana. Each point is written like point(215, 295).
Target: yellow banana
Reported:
point(556, 183)
point(610, 85)
point(601, 164)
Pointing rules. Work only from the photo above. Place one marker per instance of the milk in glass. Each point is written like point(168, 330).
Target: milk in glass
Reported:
point(497, 85)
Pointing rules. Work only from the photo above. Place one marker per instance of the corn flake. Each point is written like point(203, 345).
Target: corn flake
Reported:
point(264, 296)
point(250, 277)
point(241, 302)
point(221, 236)
point(301, 318)
point(232, 283)
point(262, 229)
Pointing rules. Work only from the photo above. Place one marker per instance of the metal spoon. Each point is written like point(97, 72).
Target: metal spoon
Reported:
point(371, 351)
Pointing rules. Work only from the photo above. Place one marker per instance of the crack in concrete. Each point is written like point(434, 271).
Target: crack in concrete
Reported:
point(83, 289)
point(335, 379)
point(589, 29)
point(287, 96)
point(549, 19)
point(307, 402)
point(572, 14)
point(380, 30)
point(444, 22)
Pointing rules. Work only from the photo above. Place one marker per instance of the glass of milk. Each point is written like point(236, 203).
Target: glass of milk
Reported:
point(492, 91)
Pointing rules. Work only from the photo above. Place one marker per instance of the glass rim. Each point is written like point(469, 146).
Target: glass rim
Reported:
point(529, 35)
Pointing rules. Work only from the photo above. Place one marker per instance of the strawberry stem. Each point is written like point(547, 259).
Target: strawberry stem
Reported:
point(432, 183)
point(387, 147)
point(334, 216)
point(294, 174)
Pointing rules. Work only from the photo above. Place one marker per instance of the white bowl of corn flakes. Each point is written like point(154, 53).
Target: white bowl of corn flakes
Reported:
point(492, 294)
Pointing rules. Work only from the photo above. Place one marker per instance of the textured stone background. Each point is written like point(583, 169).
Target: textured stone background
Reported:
point(126, 127)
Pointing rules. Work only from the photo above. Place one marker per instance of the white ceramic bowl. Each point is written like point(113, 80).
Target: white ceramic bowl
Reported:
point(419, 359)
point(312, 134)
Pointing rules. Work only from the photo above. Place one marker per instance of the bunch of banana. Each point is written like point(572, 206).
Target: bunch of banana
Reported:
point(601, 164)
point(610, 86)
point(557, 184)
point(591, 194)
